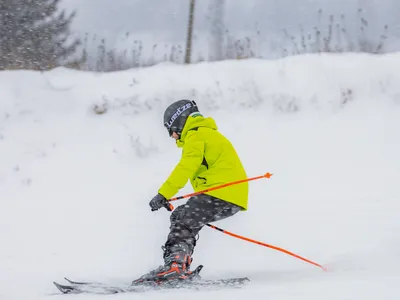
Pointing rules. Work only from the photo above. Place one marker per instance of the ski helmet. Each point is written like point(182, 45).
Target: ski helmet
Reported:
point(176, 114)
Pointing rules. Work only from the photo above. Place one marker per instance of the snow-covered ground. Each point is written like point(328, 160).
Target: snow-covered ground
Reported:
point(75, 185)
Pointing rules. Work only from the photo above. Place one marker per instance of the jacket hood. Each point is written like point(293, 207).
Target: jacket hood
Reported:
point(195, 120)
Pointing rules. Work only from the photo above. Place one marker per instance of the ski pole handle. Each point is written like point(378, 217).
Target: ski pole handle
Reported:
point(170, 207)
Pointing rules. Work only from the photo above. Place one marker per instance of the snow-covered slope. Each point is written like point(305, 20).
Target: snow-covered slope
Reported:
point(75, 185)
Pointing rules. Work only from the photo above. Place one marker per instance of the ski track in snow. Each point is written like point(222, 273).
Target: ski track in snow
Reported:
point(75, 186)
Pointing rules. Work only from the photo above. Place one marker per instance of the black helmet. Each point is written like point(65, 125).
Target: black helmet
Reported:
point(176, 114)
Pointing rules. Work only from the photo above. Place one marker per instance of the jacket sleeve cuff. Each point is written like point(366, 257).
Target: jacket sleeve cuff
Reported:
point(166, 191)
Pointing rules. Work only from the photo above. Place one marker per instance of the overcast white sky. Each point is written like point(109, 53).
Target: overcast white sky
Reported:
point(165, 20)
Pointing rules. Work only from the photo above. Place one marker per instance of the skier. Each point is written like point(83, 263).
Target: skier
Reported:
point(208, 159)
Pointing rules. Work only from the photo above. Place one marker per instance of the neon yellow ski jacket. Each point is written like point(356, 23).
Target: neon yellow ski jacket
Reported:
point(208, 159)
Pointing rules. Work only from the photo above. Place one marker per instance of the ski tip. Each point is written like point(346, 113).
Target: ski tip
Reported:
point(75, 282)
point(70, 281)
point(60, 288)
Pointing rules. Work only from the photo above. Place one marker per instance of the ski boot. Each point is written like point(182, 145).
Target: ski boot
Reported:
point(174, 269)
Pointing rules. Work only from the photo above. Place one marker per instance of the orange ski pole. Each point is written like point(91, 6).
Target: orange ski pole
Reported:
point(266, 175)
point(266, 245)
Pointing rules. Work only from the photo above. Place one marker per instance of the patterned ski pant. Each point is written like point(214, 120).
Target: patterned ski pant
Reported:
point(188, 219)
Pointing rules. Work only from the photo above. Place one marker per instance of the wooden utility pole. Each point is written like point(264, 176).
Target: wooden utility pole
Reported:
point(190, 32)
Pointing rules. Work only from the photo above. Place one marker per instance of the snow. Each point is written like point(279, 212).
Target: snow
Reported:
point(75, 185)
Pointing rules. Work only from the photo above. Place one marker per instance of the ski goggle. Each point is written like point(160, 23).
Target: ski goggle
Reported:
point(171, 130)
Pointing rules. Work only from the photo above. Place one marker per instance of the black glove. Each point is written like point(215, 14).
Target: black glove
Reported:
point(158, 202)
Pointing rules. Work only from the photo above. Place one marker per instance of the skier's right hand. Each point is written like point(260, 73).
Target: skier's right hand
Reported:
point(158, 202)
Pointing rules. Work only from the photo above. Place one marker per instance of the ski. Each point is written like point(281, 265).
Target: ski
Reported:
point(109, 289)
point(90, 289)
point(75, 287)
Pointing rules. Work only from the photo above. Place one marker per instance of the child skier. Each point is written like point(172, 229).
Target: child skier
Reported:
point(208, 159)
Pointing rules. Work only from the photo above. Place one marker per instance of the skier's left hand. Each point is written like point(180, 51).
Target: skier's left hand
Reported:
point(158, 202)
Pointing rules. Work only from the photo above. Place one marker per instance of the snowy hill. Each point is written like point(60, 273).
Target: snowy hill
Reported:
point(75, 185)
